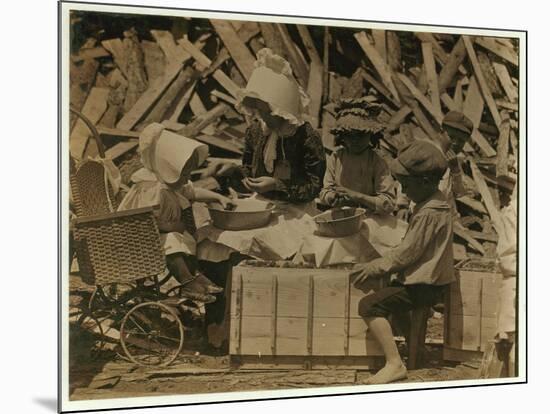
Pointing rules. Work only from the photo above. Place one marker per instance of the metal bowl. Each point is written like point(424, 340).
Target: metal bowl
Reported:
point(248, 214)
point(339, 222)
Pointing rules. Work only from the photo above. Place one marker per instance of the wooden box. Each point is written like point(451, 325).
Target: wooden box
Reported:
point(471, 313)
point(298, 318)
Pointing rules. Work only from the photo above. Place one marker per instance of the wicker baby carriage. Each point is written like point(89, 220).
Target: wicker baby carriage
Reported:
point(121, 254)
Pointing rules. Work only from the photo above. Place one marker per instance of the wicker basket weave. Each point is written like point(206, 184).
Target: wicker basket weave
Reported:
point(92, 195)
point(119, 247)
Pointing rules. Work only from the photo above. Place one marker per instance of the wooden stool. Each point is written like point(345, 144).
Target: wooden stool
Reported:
point(417, 335)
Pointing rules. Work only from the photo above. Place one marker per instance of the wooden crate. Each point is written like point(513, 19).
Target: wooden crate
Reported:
point(470, 314)
point(296, 318)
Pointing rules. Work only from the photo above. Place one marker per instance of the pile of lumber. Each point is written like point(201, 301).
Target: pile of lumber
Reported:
point(187, 78)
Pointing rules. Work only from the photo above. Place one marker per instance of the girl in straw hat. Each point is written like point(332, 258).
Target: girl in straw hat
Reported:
point(168, 161)
point(283, 156)
point(356, 175)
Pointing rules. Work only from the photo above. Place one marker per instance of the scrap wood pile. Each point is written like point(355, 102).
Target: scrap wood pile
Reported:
point(186, 73)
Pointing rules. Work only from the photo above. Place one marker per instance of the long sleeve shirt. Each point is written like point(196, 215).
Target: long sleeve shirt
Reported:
point(366, 173)
point(304, 154)
point(425, 255)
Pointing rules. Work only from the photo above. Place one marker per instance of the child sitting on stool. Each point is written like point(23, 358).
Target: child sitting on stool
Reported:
point(423, 260)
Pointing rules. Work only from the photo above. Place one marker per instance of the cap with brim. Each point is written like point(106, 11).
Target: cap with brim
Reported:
point(419, 159)
point(272, 83)
point(397, 168)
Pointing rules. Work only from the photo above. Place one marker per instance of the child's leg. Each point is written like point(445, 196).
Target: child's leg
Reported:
point(375, 310)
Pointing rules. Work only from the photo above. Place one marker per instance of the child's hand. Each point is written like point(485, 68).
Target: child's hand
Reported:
point(360, 274)
point(225, 202)
point(260, 184)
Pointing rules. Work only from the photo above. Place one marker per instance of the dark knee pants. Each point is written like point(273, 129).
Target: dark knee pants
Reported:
point(398, 298)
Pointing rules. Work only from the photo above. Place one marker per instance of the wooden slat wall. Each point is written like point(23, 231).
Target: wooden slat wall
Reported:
point(277, 311)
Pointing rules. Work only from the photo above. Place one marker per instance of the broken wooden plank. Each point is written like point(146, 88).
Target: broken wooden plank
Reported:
point(458, 97)
point(91, 53)
point(214, 141)
point(503, 104)
point(487, 197)
point(184, 100)
point(498, 49)
point(379, 64)
point(272, 38)
point(246, 34)
point(393, 51)
point(197, 107)
point(439, 52)
point(134, 69)
point(326, 60)
point(82, 78)
point(449, 70)
point(412, 103)
point(218, 75)
point(431, 75)
point(504, 77)
point(174, 54)
point(309, 45)
point(379, 37)
point(481, 80)
point(204, 120)
point(159, 111)
point(120, 149)
point(238, 50)
point(503, 146)
point(155, 60)
point(379, 87)
point(295, 57)
point(473, 104)
point(473, 204)
point(463, 234)
point(117, 133)
point(438, 116)
point(94, 107)
point(398, 118)
point(149, 97)
point(115, 48)
point(315, 91)
point(224, 97)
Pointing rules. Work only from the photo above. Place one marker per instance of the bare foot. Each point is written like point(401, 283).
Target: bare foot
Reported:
point(389, 373)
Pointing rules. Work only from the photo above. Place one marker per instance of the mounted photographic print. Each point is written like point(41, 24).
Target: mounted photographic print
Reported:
point(261, 207)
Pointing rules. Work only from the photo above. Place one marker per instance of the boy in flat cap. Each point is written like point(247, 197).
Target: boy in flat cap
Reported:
point(423, 261)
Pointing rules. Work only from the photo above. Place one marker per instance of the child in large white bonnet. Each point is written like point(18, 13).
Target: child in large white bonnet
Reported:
point(168, 161)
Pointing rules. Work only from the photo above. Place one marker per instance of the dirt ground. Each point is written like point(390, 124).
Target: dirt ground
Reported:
point(200, 369)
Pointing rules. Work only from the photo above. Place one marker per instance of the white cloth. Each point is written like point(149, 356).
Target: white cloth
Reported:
point(146, 193)
point(291, 232)
point(377, 235)
point(270, 152)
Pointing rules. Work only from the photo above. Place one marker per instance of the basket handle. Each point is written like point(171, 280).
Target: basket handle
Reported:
point(93, 129)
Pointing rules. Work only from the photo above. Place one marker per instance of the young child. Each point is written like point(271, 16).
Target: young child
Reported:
point(356, 175)
point(423, 260)
point(168, 161)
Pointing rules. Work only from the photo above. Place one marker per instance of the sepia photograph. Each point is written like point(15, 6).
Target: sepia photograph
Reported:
point(259, 206)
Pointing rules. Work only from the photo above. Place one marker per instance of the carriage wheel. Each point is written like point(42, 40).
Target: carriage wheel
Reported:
point(151, 333)
point(111, 297)
point(90, 324)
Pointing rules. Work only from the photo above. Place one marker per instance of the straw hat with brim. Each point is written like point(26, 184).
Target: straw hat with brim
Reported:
point(167, 154)
point(357, 120)
point(272, 84)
